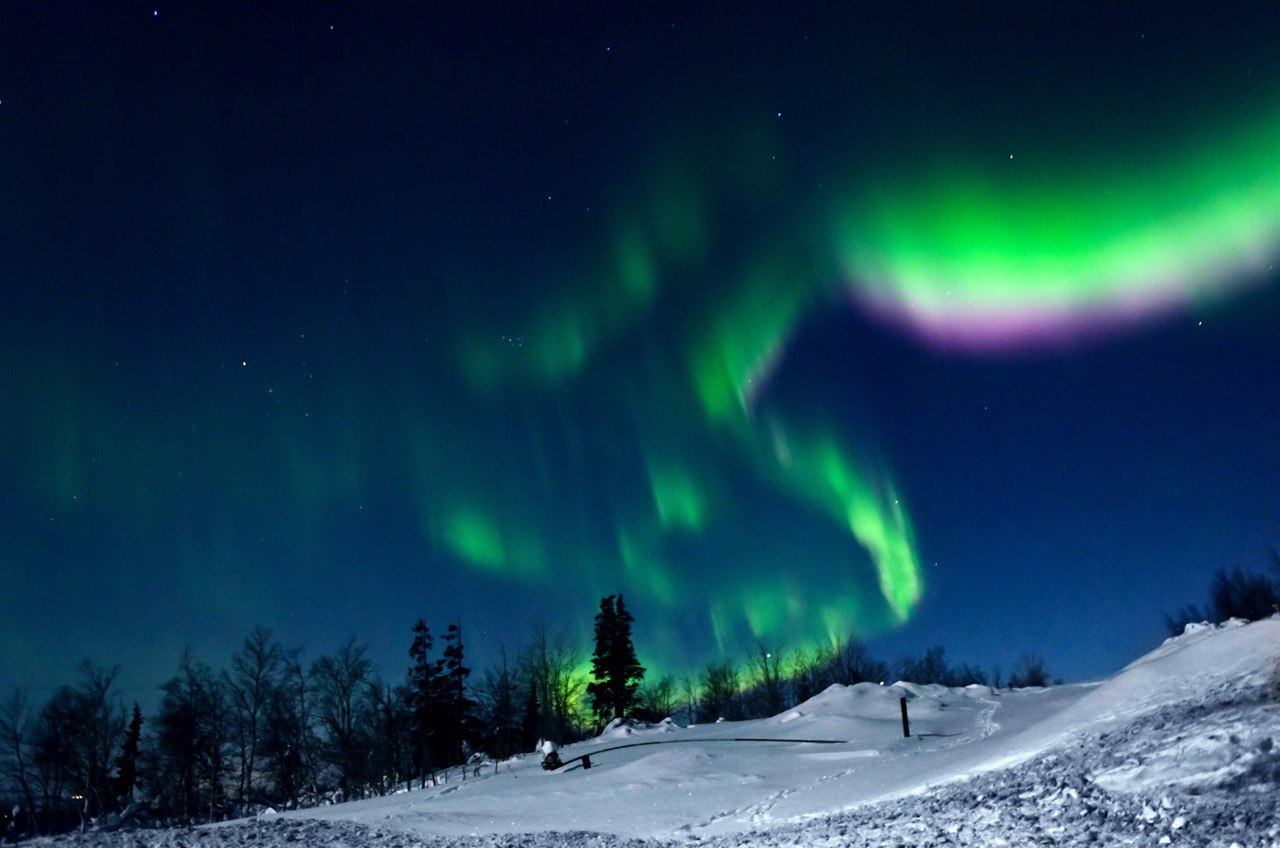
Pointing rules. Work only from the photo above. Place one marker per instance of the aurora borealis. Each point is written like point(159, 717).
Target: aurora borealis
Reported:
point(787, 325)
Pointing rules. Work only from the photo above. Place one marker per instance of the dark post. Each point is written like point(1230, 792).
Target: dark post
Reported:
point(906, 725)
point(586, 761)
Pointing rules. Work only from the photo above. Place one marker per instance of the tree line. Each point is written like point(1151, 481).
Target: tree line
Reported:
point(1234, 593)
point(272, 730)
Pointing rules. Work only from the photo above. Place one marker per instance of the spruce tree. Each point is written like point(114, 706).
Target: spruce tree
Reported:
point(422, 699)
point(127, 761)
point(458, 708)
point(614, 666)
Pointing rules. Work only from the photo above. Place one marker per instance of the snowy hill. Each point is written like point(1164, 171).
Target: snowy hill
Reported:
point(1180, 747)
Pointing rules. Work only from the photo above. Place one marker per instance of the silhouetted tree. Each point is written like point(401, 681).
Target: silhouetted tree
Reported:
point(551, 663)
point(1233, 594)
point(657, 700)
point(530, 716)
point(249, 682)
point(614, 666)
point(344, 684)
point(423, 697)
point(720, 685)
point(389, 760)
point(1176, 623)
point(499, 709)
point(191, 738)
point(289, 742)
point(1238, 594)
point(127, 760)
point(1030, 670)
point(930, 668)
point(16, 757)
point(74, 741)
point(768, 696)
point(858, 665)
point(457, 707)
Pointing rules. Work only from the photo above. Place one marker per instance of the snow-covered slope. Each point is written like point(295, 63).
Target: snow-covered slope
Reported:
point(1180, 747)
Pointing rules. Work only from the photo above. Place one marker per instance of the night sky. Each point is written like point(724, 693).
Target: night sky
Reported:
point(785, 324)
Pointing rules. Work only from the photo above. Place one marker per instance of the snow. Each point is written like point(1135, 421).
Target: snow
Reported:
point(1180, 747)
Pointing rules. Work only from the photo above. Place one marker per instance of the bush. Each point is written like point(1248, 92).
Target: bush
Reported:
point(1233, 594)
point(1030, 670)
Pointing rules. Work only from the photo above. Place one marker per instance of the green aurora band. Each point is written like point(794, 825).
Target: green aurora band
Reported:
point(630, 441)
point(973, 257)
point(985, 258)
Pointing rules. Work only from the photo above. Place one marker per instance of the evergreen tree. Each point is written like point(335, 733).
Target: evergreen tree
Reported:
point(614, 666)
point(457, 707)
point(422, 695)
point(530, 717)
point(127, 760)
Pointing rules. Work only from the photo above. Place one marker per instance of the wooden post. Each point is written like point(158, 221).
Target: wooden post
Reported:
point(906, 724)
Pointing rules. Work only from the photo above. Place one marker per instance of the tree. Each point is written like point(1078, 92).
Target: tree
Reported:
point(531, 719)
point(657, 701)
point(344, 685)
point(930, 668)
point(289, 740)
point(249, 683)
point(389, 757)
point(1233, 594)
point(1030, 670)
point(614, 666)
point(860, 666)
point(74, 742)
point(550, 664)
point(127, 760)
point(191, 737)
point(422, 696)
point(720, 684)
point(16, 752)
point(1237, 594)
point(457, 708)
point(768, 697)
point(499, 709)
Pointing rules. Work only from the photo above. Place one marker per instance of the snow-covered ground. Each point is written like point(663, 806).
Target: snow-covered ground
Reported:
point(1181, 747)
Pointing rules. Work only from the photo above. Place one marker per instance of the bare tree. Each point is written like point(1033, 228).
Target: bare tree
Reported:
point(689, 695)
point(249, 684)
point(343, 684)
point(657, 700)
point(768, 697)
point(16, 721)
point(191, 737)
point(808, 674)
point(552, 665)
point(499, 700)
point(1030, 670)
point(73, 743)
point(720, 685)
point(289, 743)
point(859, 666)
